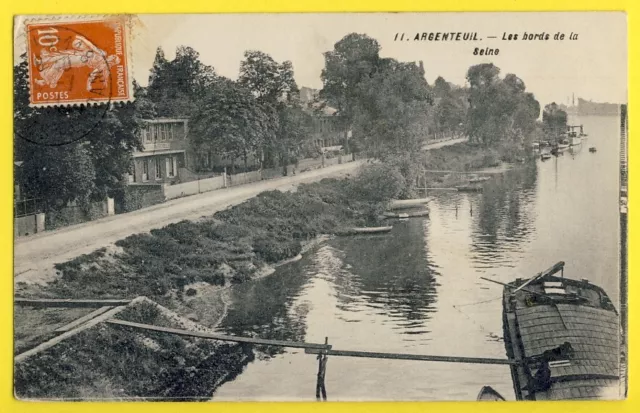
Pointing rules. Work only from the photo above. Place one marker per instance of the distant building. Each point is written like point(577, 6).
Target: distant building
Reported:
point(165, 144)
point(326, 129)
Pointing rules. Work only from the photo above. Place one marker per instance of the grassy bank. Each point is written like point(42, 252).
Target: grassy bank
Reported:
point(120, 363)
point(230, 247)
point(175, 264)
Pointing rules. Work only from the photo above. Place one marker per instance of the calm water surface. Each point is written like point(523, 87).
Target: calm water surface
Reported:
point(418, 289)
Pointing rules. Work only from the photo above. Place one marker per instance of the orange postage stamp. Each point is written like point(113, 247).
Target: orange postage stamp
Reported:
point(78, 62)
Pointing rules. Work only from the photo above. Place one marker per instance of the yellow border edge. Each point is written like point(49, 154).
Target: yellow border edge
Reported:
point(10, 9)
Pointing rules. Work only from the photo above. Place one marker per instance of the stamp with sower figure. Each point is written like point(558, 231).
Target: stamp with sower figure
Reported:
point(78, 62)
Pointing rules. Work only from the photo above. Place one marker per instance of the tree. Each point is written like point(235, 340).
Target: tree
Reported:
point(450, 109)
point(500, 110)
point(354, 59)
point(177, 86)
point(72, 153)
point(270, 81)
point(293, 128)
point(441, 88)
point(390, 115)
point(231, 121)
point(554, 119)
point(275, 89)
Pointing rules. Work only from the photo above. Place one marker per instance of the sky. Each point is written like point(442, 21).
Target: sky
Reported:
point(593, 67)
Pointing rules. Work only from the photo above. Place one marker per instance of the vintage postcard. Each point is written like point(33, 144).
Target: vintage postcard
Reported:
point(340, 207)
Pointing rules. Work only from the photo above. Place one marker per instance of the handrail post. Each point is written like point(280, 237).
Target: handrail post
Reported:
point(322, 369)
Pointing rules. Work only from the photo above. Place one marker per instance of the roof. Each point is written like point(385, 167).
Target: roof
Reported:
point(594, 334)
point(158, 152)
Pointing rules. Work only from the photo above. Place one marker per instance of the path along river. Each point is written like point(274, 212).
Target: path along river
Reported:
point(418, 289)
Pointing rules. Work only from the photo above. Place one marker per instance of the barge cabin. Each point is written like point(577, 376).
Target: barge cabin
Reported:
point(564, 336)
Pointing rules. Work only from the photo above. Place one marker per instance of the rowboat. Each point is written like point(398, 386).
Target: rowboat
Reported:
point(478, 179)
point(544, 156)
point(401, 215)
point(592, 149)
point(407, 203)
point(564, 337)
point(488, 394)
point(366, 230)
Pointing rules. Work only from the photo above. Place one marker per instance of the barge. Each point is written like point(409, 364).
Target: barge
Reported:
point(564, 336)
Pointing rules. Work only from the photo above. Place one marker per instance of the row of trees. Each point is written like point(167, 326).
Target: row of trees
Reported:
point(259, 114)
point(387, 105)
point(83, 154)
point(391, 108)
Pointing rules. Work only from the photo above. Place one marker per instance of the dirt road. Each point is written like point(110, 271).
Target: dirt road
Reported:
point(35, 256)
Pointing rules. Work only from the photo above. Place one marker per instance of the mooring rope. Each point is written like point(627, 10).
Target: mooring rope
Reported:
point(456, 307)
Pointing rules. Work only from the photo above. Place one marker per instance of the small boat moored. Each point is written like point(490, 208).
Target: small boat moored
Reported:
point(365, 230)
point(474, 179)
point(407, 203)
point(488, 394)
point(403, 215)
point(592, 149)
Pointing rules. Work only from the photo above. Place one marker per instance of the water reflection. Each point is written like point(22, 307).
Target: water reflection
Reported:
point(267, 308)
point(418, 288)
point(506, 220)
point(390, 275)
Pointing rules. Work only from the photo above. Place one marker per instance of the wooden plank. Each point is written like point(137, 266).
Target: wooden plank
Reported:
point(48, 344)
point(250, 340)
point(55, 302)
point(416, 357)
point(434, 171)
point(550, 271)
point(81, 320)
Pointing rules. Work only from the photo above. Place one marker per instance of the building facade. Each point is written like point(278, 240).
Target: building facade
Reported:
point(164, 153)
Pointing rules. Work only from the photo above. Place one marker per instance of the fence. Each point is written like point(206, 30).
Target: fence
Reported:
point(107, 309)
point(244, 178)
point(28, 206)
point(193, 187)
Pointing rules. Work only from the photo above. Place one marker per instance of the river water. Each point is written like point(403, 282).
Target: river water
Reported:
point(418, 289)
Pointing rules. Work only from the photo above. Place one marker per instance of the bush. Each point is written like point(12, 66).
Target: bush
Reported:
point(275, 250)
point(243, 272)
point(378, 183)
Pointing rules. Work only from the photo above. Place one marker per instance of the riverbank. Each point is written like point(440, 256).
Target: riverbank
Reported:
point(173, 264)
point(108, 362)
point(190, 265)
point(190, 268)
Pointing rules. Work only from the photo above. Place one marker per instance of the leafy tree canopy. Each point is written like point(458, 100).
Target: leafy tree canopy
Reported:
point(176, 86)
point(72, 153)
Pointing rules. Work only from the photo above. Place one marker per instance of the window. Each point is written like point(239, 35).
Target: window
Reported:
point(162, 129)
point(145, 170)
point(158, 169)
point(132, 176)
point(146, 133)
point(171, 164)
